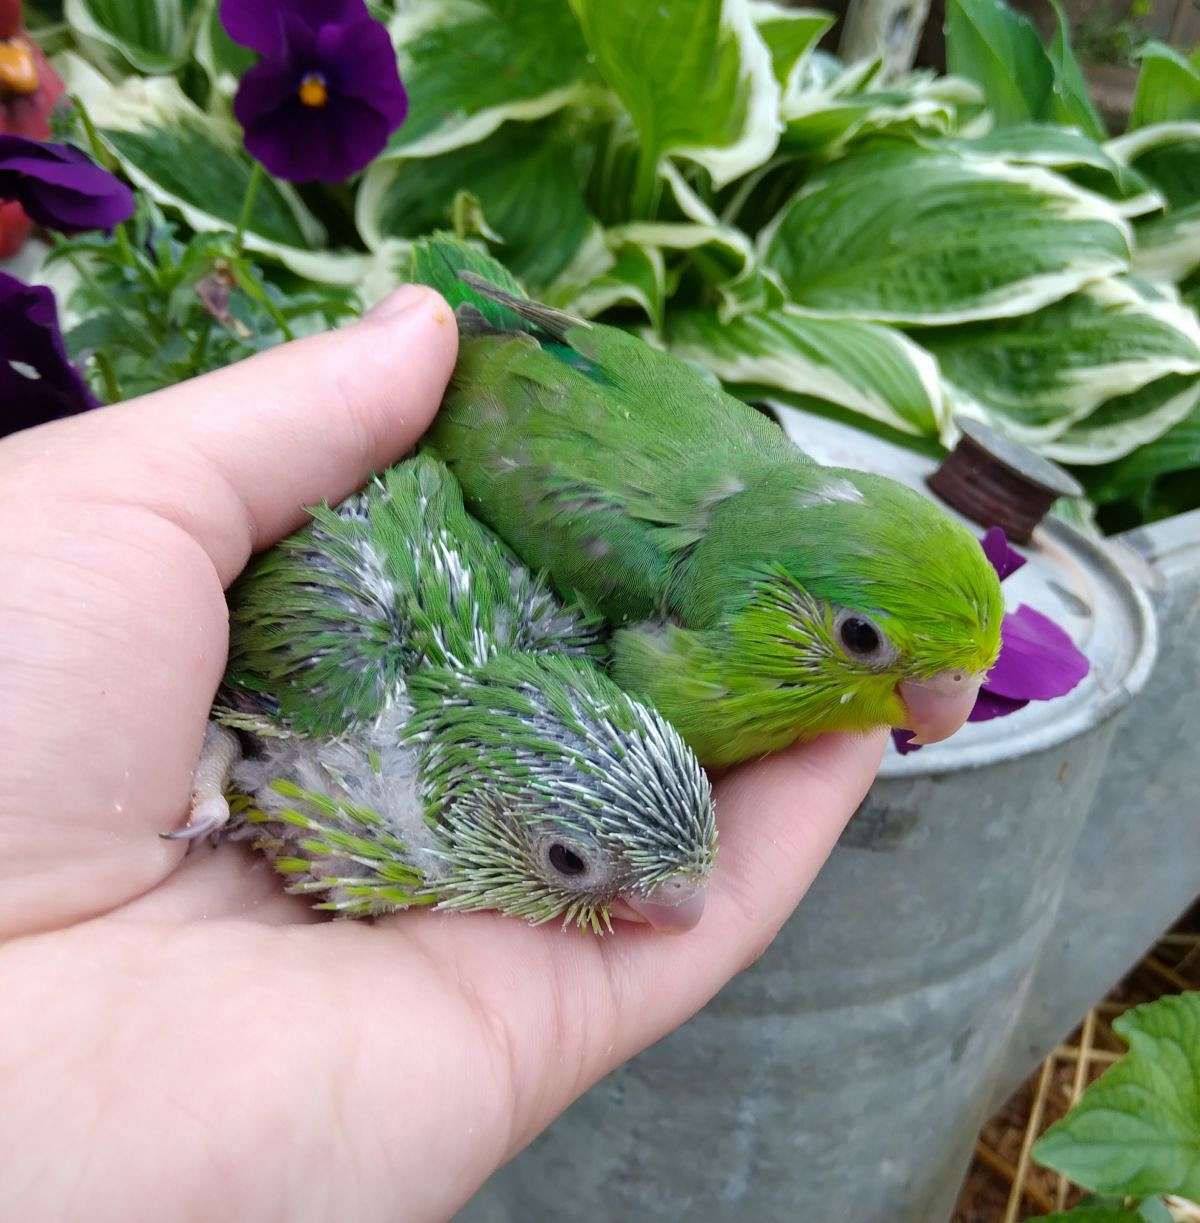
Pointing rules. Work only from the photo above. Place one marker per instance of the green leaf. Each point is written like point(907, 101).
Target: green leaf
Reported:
point(194, 163)
point(790, 35)
point(1069, 102)
point(989, 43)
point(1168, 88)
point(1043, 371)
point(904, 234)
point(1178, 449)
point(694, 75)
point(526, 178)
point(153, 36)
point(867, 368)
point(470, 66)
point(1136, 1130)
point(1168, 246)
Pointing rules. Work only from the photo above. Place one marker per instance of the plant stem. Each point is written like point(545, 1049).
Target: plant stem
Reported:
point(105, 157)
point(112, 388)
point(256, 178)
point(647, 187)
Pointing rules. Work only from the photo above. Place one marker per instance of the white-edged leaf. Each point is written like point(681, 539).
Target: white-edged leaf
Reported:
point(1064, 149)
point(1168, 156)
point(1168, 246)
point(905, 234)
point(829, 116)
point(1039, 373)
point(526, 179)
point(222, 59)
point(1178, 449)
point(152, 36)
point(790, 35)
point(695, 77)
point(1168, 87)
point(635, 277)
point(471, 65)
point(194, 163)
point(1122, 424)
point(865, 367)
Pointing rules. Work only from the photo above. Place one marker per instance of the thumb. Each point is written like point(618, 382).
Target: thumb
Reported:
point(235, 456)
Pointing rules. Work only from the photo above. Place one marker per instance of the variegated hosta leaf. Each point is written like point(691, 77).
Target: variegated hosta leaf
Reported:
point(1178, 449)
point(526, 179)
point(471, 65)
point(194, 163)
point(1168, 156)
point(1042, 372)
point(829, 117)
point(696, 78)
point(1070, 153)
point(905, 234)
point(1168, 88)
point(636, 277)
point(152, 36)
point(865, 367)
point(790, 35)
point(1122, 424)
point(220, 57)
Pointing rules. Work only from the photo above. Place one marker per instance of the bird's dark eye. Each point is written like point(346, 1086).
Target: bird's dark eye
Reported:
point(863, 639)
point(566, 861)
point(859, 636)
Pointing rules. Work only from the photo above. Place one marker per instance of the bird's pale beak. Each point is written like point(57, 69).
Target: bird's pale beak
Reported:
point(938, 706)
point(671, 907)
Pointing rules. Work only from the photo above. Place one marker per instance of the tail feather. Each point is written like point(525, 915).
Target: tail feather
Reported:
point(444, 262)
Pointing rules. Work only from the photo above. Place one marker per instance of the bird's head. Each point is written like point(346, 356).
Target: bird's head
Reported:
point(870, 607)
point(557, 795)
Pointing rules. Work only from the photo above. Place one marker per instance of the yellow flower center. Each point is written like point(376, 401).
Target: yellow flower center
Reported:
point(18, 72)
point(313, 90)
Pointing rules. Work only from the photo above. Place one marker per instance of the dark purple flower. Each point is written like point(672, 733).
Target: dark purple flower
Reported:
point(1038, 660)
point(60, 187)
point(326, 94)
point(37, 380)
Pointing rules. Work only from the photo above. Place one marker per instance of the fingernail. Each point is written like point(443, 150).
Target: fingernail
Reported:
point(399, 302)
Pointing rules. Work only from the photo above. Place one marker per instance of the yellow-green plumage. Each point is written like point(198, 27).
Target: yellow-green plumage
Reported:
point(726, 559)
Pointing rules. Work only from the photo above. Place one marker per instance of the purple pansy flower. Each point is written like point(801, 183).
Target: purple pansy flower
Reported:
point(60, 187)
point(326, 94)
point(37, 380)
point(1038, 660)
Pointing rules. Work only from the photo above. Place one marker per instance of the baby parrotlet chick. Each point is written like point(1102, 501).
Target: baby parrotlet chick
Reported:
point(410, 717)
point(757, 597)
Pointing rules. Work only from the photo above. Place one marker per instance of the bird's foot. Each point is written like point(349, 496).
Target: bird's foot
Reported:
point(209, 810)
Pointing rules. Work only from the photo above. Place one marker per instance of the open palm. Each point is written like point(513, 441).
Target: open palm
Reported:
point(178, 1037)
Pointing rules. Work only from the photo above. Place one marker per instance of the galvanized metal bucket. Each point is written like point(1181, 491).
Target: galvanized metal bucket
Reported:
point(844, 1077)
point(1137, 865)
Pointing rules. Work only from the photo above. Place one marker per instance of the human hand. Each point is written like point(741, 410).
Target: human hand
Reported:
point(180, 1038)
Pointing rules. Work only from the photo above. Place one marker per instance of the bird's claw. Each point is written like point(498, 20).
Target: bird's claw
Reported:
point(210, 811)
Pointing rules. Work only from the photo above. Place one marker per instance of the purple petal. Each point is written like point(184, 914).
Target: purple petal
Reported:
point(989, 705)
point(1038, 660)
point(260, 24)
point(60, 187)
point(267, 88)
point(903, 740)
point(30, 335)
point(1004, 558)
point(361, 63)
